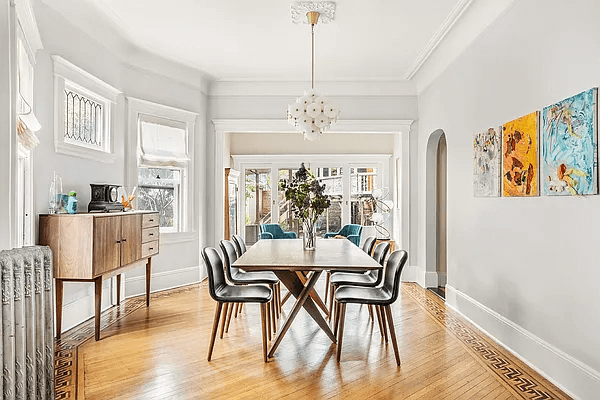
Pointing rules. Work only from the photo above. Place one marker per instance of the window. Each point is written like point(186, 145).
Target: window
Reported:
point(85, 112)
point(162, 170)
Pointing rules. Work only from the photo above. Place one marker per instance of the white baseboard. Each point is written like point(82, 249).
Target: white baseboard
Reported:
point(427, 279)
point(574, 377)
point(409, 274)
point(162, 280)
point(82, 309)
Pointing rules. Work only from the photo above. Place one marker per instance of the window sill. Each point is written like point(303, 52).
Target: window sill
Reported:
point(83, 152)
point(177, 237)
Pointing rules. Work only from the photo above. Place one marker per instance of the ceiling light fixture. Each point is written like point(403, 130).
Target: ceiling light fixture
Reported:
point(312, 113)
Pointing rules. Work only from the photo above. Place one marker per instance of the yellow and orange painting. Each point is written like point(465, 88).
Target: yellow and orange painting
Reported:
point(519, 156)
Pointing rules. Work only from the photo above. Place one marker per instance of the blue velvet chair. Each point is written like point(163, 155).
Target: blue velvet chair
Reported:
point(274, 231)
point(350, 231)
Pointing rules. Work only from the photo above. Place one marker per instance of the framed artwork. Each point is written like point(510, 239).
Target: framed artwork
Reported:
point(569, 146)
point(519, 157)
point(486, 163)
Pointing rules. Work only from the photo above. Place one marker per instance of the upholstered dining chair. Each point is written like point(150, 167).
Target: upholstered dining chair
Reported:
point(367, 279)
point(239, 277)
point(367, 248)
point(240, 245)
point(351, 231)
point(383, 296)
point(275, 231)
point(225, 294)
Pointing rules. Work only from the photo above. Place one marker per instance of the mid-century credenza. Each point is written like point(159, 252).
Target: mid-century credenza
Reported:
point(94, 246)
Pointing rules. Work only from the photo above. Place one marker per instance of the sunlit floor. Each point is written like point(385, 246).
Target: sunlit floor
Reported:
point(160, 353)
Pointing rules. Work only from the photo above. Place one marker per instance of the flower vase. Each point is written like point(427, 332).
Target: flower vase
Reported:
point(309, 237)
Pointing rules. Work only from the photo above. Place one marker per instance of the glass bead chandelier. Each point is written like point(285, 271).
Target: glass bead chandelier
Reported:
point(312, 113)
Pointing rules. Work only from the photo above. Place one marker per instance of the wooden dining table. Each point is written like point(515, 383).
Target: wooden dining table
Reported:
point(286, 257)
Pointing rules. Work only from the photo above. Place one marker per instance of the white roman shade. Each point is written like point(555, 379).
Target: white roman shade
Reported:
point(162, 141)
point(27, 123)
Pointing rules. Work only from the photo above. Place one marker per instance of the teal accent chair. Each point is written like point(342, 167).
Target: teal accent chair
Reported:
point(274, 231)
point(350, 231)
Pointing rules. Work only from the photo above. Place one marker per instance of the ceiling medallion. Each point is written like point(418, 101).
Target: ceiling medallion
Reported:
point(300, 9)
point(312, 113)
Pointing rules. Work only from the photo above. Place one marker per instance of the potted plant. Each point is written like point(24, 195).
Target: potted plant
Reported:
point(307, 201)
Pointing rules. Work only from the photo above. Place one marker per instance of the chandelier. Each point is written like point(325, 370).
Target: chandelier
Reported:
point(312, 113)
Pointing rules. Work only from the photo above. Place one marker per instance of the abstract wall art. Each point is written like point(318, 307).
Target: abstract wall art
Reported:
point(569, 146)
point(519, 156)
point(486, 163)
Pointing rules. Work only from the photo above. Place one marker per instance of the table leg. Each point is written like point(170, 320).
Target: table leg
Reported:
point(313, 293)
point(148, 272)
point(302, 294)
point(98, 300)
point(59, 301)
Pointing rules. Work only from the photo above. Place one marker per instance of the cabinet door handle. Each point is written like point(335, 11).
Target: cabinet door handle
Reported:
point(152, 234)
point(118, 241)
point(151, 220)
point(124, 240)
point(151, 248)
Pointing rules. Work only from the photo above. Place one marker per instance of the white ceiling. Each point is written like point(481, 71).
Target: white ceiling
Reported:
point(256, 40)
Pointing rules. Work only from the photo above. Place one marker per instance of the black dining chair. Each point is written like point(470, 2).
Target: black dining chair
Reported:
point(225, 294)
point(367, 247)
point(368, 279)
point(239, 277)
point(383, 296)
point(240, 248)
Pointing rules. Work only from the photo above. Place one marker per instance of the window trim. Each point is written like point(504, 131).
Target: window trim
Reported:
point(68, 75)
point(136, 107)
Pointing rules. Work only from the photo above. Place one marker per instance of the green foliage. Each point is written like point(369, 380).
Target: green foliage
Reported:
point(306, 196)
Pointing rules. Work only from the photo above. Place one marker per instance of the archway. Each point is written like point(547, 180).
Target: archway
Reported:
point(436, 189)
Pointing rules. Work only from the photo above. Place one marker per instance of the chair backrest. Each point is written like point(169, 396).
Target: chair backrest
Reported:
point(393, 269)
point(274, 229)
point(381, 251)
point(369, 244)
point(240, 245)
point(351, 229)
point(214, 269)
point(229, 257)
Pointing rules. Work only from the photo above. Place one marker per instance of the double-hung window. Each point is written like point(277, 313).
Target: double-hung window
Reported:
point(164, 138)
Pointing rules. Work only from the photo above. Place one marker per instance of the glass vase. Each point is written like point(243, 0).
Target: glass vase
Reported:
point(309, 235)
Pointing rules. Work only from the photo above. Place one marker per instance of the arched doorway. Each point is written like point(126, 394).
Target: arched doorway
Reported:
point(436, 201)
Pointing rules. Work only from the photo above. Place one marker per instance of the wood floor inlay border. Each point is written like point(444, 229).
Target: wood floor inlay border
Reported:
point(510, 371)
point(65, 348)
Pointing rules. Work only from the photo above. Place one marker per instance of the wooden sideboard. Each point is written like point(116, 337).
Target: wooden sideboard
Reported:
point(94, 246)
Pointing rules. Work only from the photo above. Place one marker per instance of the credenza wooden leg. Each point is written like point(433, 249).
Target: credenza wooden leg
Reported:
point(148, 272)
point(98, 301)
point(59, 302)
point(119, 289)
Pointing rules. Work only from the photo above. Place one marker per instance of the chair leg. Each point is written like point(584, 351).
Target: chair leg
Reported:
point(225, 308)
point(383, 323)
point(279, 302)
point(327, 276)
point(237, 309)
point(214, 329)
point(268, 322)
point(331, 301)
point(263, 317)
point(388, 311)
point(336, 318)
point(379, 319)
point(341, 331)
point(272, 308)
point(370, 308)
point(229, 312)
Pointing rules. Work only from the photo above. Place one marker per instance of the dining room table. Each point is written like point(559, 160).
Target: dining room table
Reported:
point(299, 271)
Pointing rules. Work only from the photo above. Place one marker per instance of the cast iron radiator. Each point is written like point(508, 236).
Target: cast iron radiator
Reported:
point(27, 348)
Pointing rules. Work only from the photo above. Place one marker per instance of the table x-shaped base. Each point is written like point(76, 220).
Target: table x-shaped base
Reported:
point(302, 294)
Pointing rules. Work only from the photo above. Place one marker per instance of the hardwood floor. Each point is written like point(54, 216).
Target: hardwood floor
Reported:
point(160, 353)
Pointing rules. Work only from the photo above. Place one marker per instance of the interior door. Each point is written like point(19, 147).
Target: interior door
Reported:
point(107, 244)
point(131, 238)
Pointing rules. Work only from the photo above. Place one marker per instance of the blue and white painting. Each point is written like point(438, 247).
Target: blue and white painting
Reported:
point(569, 146)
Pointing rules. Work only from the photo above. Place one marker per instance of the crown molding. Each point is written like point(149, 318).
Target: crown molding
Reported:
point(341, 126)
point(438, 36)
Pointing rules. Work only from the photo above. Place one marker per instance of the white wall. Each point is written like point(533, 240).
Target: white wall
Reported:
point(178, 261)
point(524, 269)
